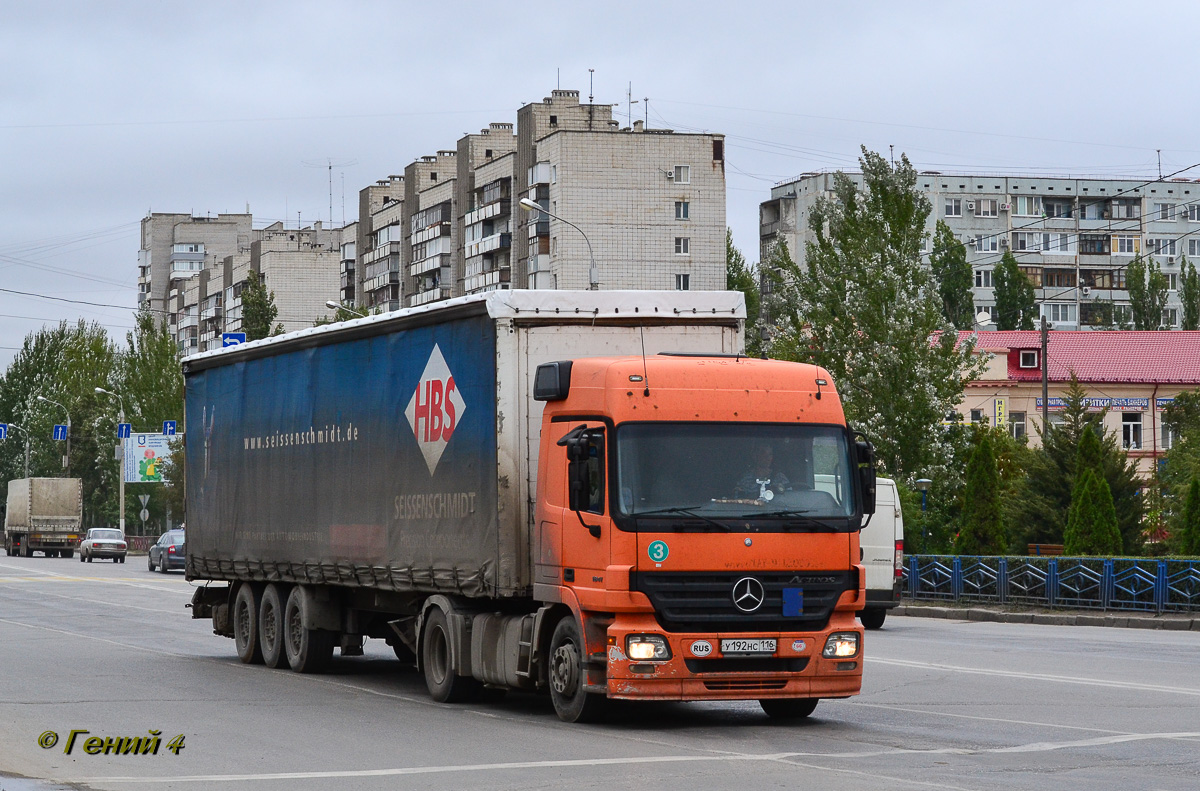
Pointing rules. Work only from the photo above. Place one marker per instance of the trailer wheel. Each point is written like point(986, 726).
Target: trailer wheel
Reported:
point(788, 708)
point(872, 619)
point(445, 686)
point(308, 650)
point(245, 624)
point(68, 553)
point(271, 627)
point(28, 550)
point(566, 676)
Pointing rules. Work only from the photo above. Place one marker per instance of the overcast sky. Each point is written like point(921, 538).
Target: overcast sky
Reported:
point(109, 110)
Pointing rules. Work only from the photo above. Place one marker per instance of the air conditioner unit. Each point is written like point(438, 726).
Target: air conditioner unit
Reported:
point(970, 205)
point(1004, 241)
point(1005, 207)
point(1086, 291)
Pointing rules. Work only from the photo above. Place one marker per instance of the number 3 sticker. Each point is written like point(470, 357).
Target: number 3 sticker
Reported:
point(658, 551)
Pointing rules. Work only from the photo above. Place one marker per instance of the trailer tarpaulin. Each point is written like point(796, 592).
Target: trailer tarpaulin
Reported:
point(362, 462)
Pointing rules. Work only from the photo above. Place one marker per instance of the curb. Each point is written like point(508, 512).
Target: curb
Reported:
point(1168, 622)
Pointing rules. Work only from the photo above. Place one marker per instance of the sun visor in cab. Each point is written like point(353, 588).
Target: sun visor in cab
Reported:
point(552, 382)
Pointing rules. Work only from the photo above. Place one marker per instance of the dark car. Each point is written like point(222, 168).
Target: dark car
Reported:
point(168, 552)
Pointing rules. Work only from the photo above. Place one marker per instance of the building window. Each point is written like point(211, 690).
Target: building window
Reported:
point(1027, 206)
point(1026, 242)
point(977, 416)
point(987, 207)
point(1131, 430)
point(718, 150)
point(554, 174)
point(683, 174)
point(1168, 437)
point(681, 210)
point(1016, 424)
point(1092, 210)
point(990, 310)
point(1160, 246)
point(1060, 278)
point(1093, 244)
point(983, 278)
point(1125, 245)
point(1057, 208)
point(554, 120)
point(1170, 317)
point(1059, 312)
point(683, 282)
point(953, 207)
point(1126, 209)
point(1164, 211)
point(1058, 243)
point(1172, 281)
point(1193, 212)
point(683, 245)
point(1029, 359)
point(1034, 273)
point(1193, 246)
point(986, 243)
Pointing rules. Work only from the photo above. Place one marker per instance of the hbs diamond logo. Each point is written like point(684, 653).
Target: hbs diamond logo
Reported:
point(435, 409)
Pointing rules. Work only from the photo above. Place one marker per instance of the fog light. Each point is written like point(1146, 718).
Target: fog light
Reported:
point(841, 644)
point(647, 646)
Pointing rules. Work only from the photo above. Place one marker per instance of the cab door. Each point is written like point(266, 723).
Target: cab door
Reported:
point(586, 522)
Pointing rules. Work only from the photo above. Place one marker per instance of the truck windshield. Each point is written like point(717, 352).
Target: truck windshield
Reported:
point(719, 475)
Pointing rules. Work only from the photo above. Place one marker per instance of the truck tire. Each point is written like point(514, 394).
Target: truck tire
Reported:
point(270, 626)
point(565, 676)
point(68, 553)
point(308, 650)
point(788, 708)
point(872, 619)
point(245, 623)
point(445, 686)
point(28, 551)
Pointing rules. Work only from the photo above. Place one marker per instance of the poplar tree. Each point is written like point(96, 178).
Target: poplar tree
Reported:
point(1190, 534)
point(1189, 295)
point(258, 309)
point(948, 261)
point(1016, 302)
point(1147, 287)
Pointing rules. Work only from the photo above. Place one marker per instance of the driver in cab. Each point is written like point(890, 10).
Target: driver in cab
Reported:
point(762, 481)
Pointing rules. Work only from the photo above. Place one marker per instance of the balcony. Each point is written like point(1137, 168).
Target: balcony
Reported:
point(430, 264)
point(539, 263)
point(179, 257)
point(215, 312)
point(185, 269)
point(382, 280)
point(767, 229)
point(486, 281)
point(487, 212)
point(539, 173)
point(379, 253)
point(188, 320)
point(488, 244)
point(432, 295)
point(432, 232)
point(348, 267)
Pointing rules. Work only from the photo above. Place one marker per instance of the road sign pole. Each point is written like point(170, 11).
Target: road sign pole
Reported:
point(121, 467)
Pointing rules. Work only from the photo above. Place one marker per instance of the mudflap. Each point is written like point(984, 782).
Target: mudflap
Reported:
point(212, 601)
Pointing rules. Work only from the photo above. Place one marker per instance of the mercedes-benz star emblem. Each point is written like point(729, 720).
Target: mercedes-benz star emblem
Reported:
point(748, 594)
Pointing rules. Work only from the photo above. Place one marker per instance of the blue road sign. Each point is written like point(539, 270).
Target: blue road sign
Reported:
point(60, 431)
point(232, 338)
point(169, 427)
point(3, 431)
point(123, 430)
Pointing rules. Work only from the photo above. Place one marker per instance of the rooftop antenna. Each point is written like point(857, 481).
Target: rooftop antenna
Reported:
point(630, 102)
point(558, 78)
point(329, 163)
point(591, 74)
point(646, 105)
point(1159, 152)
point(892, 154)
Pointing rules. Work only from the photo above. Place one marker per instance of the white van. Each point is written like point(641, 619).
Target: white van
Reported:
point(882, 542)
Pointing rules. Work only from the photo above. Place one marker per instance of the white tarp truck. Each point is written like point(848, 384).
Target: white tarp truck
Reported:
point(44, 515)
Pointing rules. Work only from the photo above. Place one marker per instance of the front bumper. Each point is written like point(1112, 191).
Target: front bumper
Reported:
point(795, 670)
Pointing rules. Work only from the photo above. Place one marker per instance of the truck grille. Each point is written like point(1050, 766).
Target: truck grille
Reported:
point(687, 601)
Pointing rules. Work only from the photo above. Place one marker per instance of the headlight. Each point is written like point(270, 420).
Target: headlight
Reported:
point(841, 644)
point(647, 646)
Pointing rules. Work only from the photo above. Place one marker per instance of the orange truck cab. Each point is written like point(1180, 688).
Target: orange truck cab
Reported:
point(699, 515)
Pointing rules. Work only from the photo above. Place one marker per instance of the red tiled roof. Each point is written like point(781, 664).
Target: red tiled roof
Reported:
point(1168, 357)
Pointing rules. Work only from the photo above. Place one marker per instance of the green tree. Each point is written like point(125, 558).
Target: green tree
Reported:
point(1092, 522)
point(1042, 505)
point(1181, 463)
point(258, 309)
point(1189, 535)
point(1147, 287)
point(740, 276)
point(778, 273)
point(1189, 295)
point(1016, 303)
point(953, 276)
point(346, 313)
point(865, 307)
point(983, 520)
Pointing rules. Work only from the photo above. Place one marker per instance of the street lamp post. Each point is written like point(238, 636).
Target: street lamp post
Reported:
point(67, 458)
point(120, 453)
point(593, 271)
point(336, 306)
point(26, 433)
point(923, 485)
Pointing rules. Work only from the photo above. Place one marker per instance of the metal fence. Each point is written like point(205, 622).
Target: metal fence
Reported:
point(1078, 583)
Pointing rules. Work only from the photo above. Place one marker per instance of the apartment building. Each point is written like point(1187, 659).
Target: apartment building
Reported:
point(175, 247)
point(300, 266)
point(1073, 238)
point(377, 240)
point(430, 210)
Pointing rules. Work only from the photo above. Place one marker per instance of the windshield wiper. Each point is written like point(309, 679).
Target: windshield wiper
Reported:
point(685, 512)
point(798, 515)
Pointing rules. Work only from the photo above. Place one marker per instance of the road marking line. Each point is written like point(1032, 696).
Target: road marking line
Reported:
point(55, 576)
point(1092, 682)
point(660, 759)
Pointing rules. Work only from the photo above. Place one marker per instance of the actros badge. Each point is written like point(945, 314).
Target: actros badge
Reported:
point(435, 409)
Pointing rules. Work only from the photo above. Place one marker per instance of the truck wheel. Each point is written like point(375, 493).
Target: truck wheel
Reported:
point(68, 553)
point(308, 650)
point(788, 708)
point(445, 686)
point(28, 551)
point(270, 626)
point(872, 619)
point(566, 676)
point(245, 624)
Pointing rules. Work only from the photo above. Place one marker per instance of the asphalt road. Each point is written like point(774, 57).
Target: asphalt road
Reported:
point(946, 704)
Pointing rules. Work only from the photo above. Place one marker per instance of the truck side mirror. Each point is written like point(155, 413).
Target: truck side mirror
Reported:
point(864, 452)
point(585, 472)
